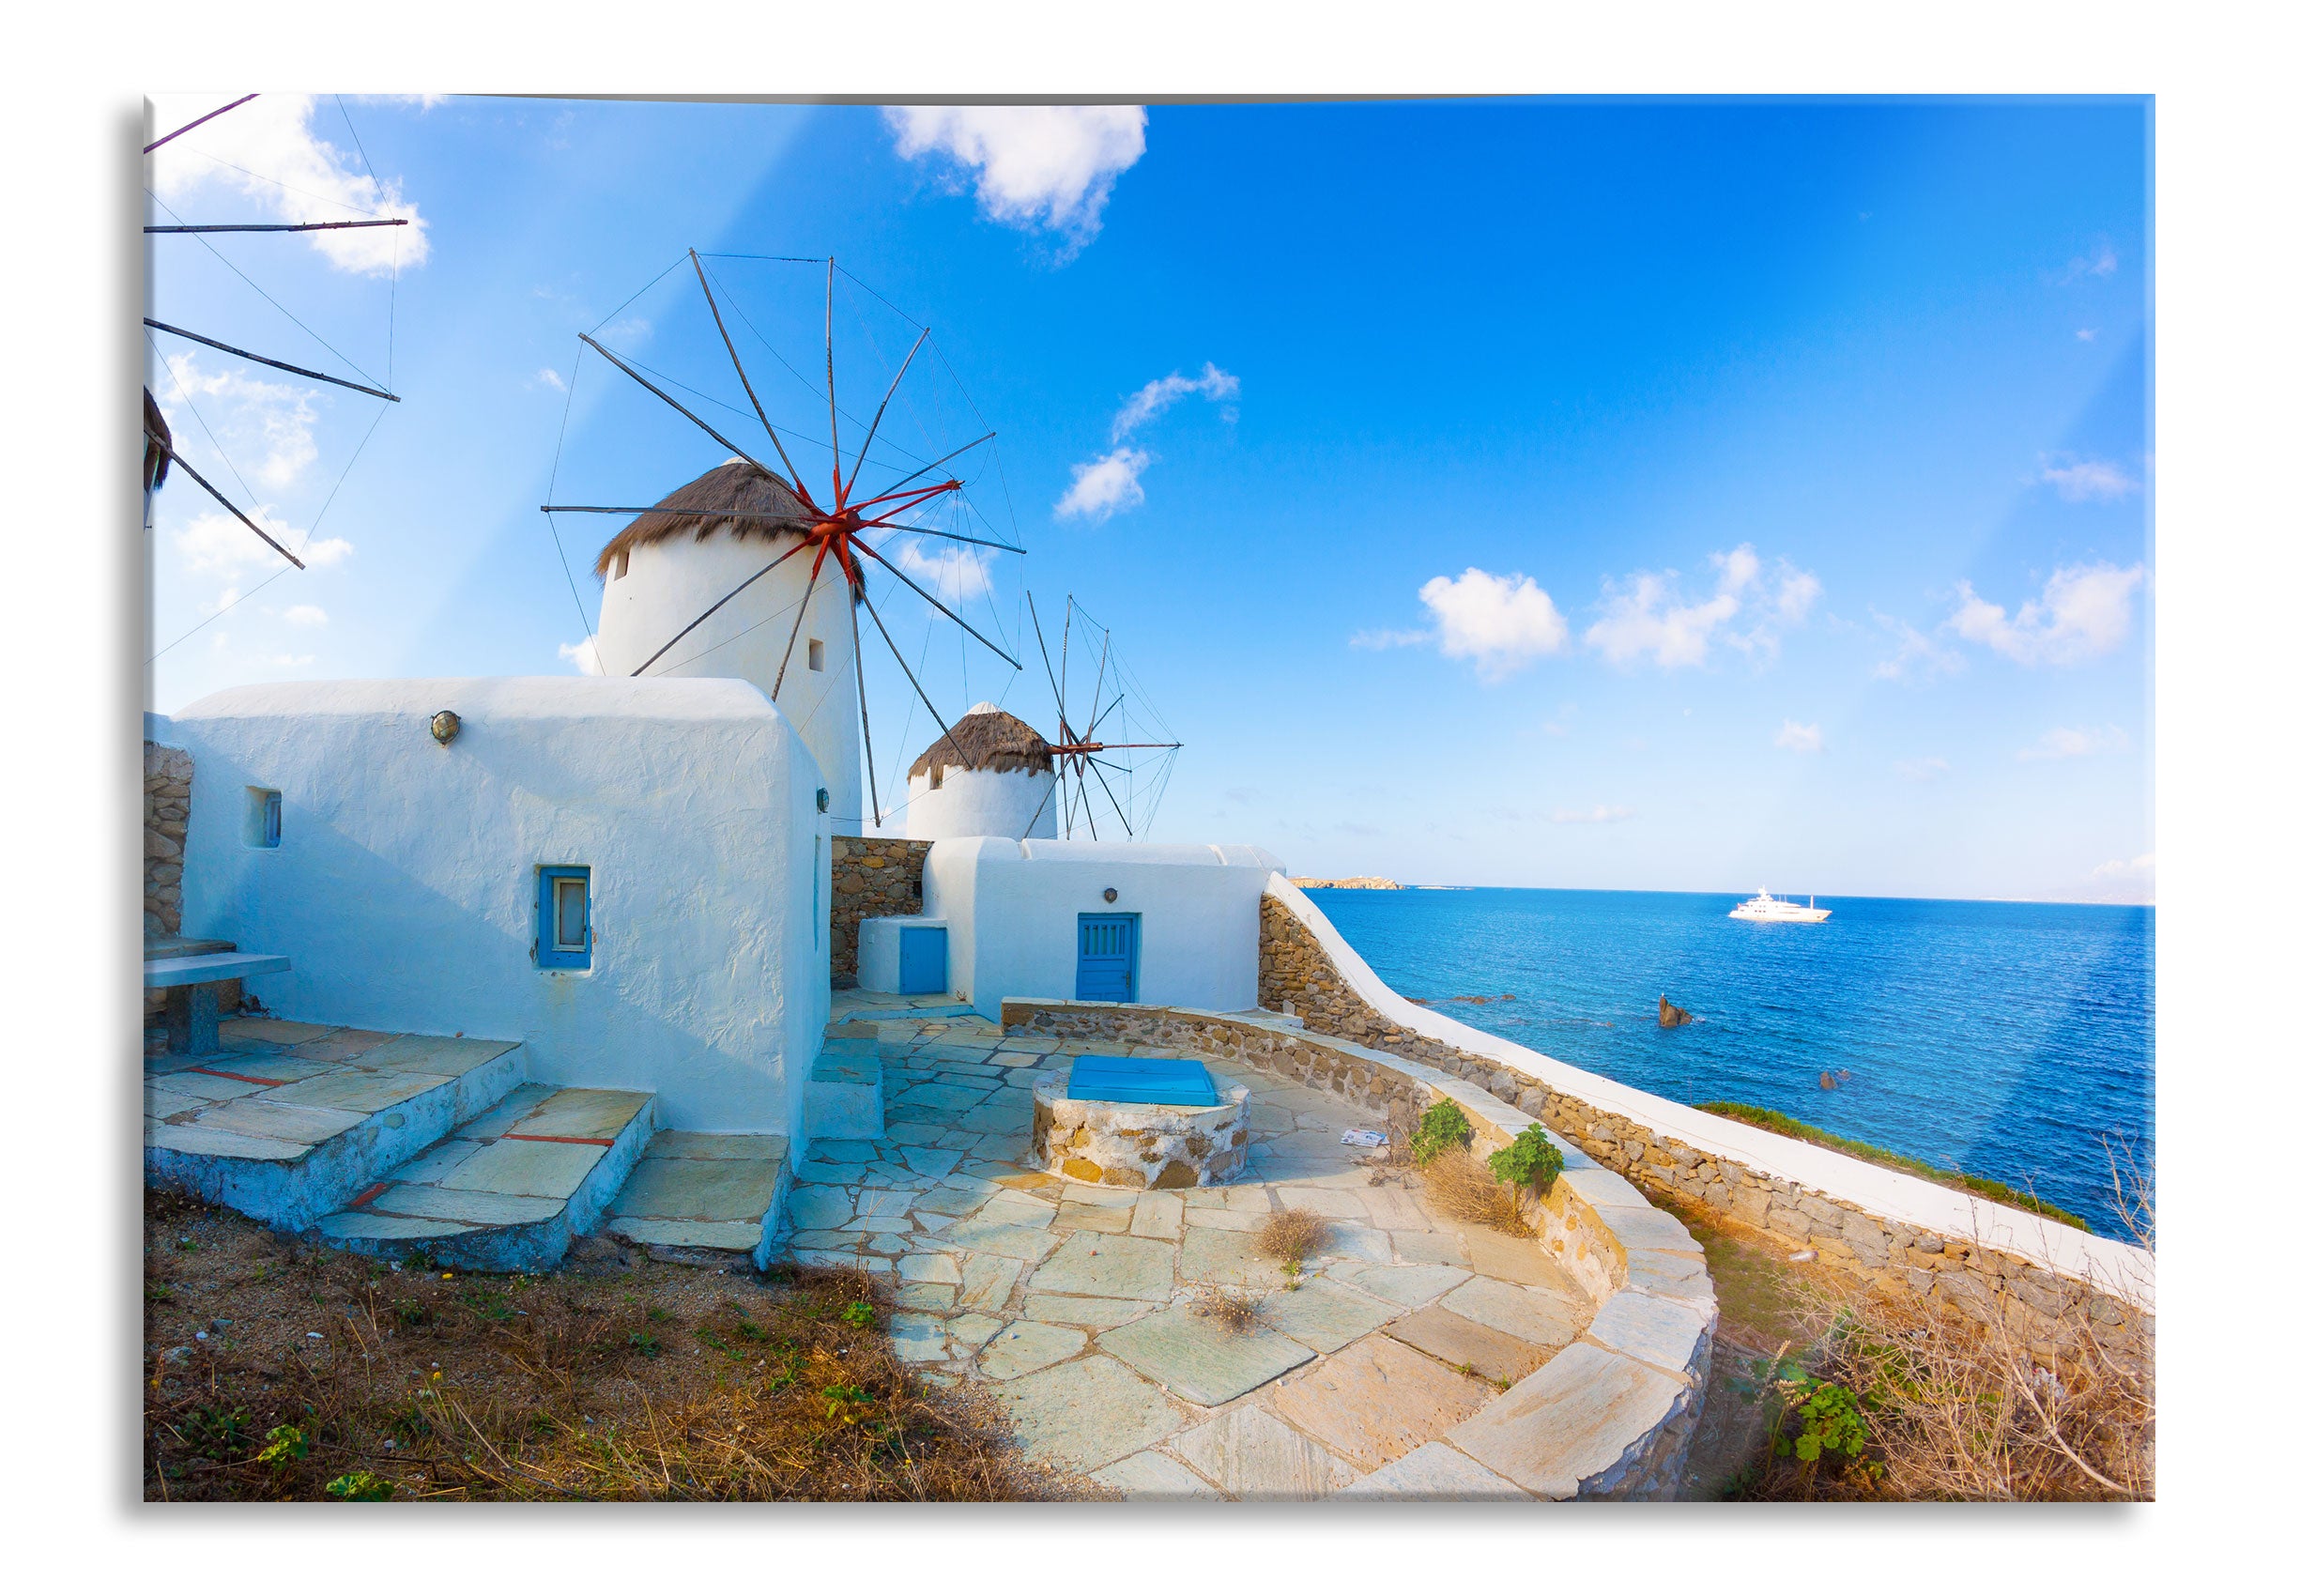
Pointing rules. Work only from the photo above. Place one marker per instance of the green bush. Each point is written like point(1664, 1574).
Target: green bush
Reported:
point(1443, 1128)
point(1531, 1162)
point(358, 1486)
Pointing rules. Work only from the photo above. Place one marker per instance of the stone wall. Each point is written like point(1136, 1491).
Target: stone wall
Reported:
point(1299, 978)
point(1648, 1351)
point(870, 876)
point(167, 807)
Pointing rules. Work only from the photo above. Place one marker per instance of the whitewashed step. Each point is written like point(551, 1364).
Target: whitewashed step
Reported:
point(845, 1090)
point(697, 1197)
point(291, 1120)
point(507, 1191)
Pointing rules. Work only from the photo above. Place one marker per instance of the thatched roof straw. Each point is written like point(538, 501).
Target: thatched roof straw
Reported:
point(738, 485)
point(155, 437)
point(992, 740)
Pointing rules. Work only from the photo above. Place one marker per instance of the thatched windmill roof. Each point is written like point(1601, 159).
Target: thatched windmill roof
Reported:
point(736, 485)
point(157, 442)
point(992, 740)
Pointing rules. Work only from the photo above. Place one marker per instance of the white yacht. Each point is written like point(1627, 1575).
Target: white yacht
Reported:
point(1764, 906)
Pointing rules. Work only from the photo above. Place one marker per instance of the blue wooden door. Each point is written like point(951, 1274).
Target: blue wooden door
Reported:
point(926, 959)
point(1106, 958)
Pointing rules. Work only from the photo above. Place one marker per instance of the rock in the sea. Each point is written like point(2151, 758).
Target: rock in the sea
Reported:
point(1672, 1016)
point(1828, 1081)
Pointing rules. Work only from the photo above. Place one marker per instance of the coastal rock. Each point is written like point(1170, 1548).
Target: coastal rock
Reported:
point(1361, 883)
point(1672, 1016)
point(1828, 1081)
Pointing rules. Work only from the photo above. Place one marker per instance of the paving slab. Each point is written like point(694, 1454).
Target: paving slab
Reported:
point(1571, 1421)
point(970, 1330)
point(1158, 1216)
point(472, 1208)
point(281, 1122)
point(724, 1190)
point(1518, 1259)
point(1154, 1476)
point(1087, 1217)
point(1434, 1472)
point(1322, 1314)
point(525, 1169)
point(1655, 1330)
point(1091, 1312)
point(1026, 1242)
point(434, 1055)
point(938, 1268)
point(1026, 1346)
point(203, 1141)
point(1408, 1285)
point(1255, 1457)
point(1222, 1219)
point(1376, 1400)
point(927, 1299)
point(1320, 1199)
point(356, 1091)
point(936, 1162)
point(821, 1208)
point(582, 1114)
point(922, 1101)
point(1458, 1342)
point(358, 1224)
point(986, 1281)
point(918, 1338)
point(1429, 1247)
point(1227, 1258)
point(716, 1235)
point(1087, 1265)
point(1087, 1414)
point(1540, 1318)
point(1196, 1359)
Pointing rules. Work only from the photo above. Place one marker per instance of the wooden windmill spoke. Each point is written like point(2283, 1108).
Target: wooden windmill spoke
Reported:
point(1044, 799)
point(721, 605)
point(1096, 765)
point(863, 701)
point(1103, 716)
point(955, 537)
point(939, 721)
point(772, 436)
point(830, 380)
point(1096, 702)
point(798, 621)
point(215, 494)
point(925, 469)
point(773, 517)
point(720, 438)
point(882, 415)
point(938, 604)
point(267, 360)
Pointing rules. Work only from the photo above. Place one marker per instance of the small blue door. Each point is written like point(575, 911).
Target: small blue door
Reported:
point(925, 964)
point(1106, 958)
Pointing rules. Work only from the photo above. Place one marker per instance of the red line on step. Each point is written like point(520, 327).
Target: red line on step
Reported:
point(364, 1197)
point(578, 1141)
point(250, 1080)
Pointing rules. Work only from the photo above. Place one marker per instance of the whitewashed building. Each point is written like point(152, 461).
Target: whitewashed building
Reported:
point(991, 776)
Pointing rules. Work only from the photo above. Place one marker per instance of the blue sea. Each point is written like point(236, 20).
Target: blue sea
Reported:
point(2001, 1039)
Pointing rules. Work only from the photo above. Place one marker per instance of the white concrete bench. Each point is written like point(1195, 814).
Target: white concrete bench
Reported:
point(190, 983)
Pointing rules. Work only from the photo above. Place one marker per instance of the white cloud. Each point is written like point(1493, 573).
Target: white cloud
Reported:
point(1153, 399)
point(216, 540)
point(1648, 617)
point(304, 615)
point(2086, 335)
point(551, 378)
point(1048, 167)
point(1102, 488)
point(1384, 638)
point(2100, 261)
point(265, 428)
point(1502, 623)
point(2078, 481)
point(1602, 815)
point(275, 137)
point(584, 655)
point(2086, 611)
point(1918, 655)
point(1930, 768)
point(2075, 742)
point(953, 574)
point(1798, 738)
point(2125, 880)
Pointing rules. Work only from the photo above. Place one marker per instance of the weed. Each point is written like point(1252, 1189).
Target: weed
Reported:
point(1234, 1310)
point(286, 1445)
point(1529, 1163)
point(158, 1291)
point(649, 1345)
point(215, 1431)
point(659, 1315)
point(1443, 1128)
point(860, 1314)
point(358, 1486)
point(409, 1312)
point(1466, 1189)
point(1291, 1237)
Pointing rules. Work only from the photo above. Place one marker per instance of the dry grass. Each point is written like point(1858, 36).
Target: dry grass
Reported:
point(652, 1382)
point(1458, 1182)
point(1234, 1310)
point(1291, 1237)
point(1970, 1396)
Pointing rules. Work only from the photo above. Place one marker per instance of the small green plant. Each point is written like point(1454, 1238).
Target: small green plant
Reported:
point(488, 1304)
point(659, 1315)
point(1443, 1127)
point(862, 1315)
point(358, 1486)
point(216, 1431)
point(1532, 1162)
point(409, 1311)
point(649, 1345)
point(286, 1447)
point(1829, 1420)
point(846, 1402)
point(158, 1291)
point(712, 1338)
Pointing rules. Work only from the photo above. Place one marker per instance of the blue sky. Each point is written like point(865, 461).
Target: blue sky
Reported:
point(1675, 495)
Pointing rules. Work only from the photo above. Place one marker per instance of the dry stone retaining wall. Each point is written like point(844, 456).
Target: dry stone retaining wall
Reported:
point(870, 877)
point(1299, 978)
point(1611, 1417)
point(167, 809)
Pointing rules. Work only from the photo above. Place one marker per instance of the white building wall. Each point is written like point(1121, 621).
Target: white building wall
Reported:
point(403, 887)
point(1010, 803)
point(1013, 906)
point(671, 582)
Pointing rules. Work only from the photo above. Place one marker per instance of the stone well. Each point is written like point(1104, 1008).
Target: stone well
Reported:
point(1162, 1146)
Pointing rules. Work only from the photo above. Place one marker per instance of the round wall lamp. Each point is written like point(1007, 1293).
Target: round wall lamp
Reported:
point(1110, 895)
point(444, 725)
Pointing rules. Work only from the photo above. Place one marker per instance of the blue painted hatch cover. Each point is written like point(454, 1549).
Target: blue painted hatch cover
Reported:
point(1182, 1081)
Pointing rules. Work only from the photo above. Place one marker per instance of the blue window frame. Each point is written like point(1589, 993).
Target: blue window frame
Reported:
point(563, 917)
point(263, 817)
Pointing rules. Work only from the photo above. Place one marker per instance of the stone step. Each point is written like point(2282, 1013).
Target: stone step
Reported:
point(697, 1197)
point(290, 1120)
point(846, 1096)
point(507, 1190)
